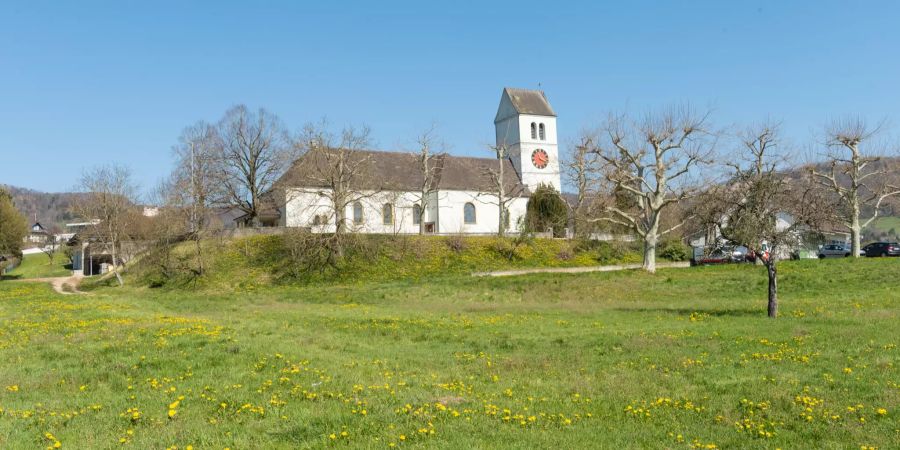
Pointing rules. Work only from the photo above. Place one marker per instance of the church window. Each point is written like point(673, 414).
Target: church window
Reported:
point(533, 130)
point(357, 213)
point(505, 218)
point(469, 213)
point(543, 135)
point(387, 212)
point(317, 220)
point(417, 214)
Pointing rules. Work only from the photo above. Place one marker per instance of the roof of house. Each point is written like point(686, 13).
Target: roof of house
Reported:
point(398, 171)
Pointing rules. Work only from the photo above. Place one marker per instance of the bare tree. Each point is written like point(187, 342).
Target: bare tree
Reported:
point(583, 172)
point(109, 206)
point(501, 195)
point(195, 181)
point(857, 178)
point(50, 247)
point(341, 171)
point(253, 151)
point(428, 161)
point(650, 161)
point(761, 208)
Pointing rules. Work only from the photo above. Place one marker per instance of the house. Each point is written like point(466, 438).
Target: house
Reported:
point(463, 194)
point(37, 234)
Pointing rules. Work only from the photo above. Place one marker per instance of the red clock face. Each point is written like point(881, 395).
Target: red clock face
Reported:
point(539, 158)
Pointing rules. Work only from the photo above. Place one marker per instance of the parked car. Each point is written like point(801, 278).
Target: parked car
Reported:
point(882, 249)
point(834, 251)
point(718, 256)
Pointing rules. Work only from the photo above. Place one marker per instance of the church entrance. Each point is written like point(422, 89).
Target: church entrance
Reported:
point(429, 227)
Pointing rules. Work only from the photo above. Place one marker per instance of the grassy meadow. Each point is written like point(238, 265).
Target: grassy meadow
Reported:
point(682, 359)
point(39, 265)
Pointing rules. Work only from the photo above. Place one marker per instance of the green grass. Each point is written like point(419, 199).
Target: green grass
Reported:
point(38, 265)
point(885, 224)
point(679, 359)
point(261, 261)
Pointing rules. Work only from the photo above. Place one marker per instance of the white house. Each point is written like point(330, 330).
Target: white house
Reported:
point(463, 196)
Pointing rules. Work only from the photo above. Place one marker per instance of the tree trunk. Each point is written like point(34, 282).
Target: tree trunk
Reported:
point(115, 265)
point(651, 239)
point(855, 230)
point(650, 254)
point(199, 254)
point(773, 288)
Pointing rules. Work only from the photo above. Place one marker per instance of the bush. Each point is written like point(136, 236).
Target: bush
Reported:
point(674, 250)
point(506, 248)
point(457, 243)
point(546, 209)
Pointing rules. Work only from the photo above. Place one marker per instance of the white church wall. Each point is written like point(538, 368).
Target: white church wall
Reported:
point(304, 204)
point(487, 213)
point(445, 208)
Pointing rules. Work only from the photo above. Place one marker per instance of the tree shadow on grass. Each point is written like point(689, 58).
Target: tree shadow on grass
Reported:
point(741, 312)
point(10, 277)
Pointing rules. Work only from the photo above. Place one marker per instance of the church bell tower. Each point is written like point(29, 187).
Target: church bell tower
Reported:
point(526, 126)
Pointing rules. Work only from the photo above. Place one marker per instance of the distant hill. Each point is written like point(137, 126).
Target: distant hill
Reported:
point(53, 210)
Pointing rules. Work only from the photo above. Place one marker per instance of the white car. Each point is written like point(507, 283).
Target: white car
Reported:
point(836, 251)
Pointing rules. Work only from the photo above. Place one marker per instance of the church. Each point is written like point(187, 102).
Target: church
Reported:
point(462, 194)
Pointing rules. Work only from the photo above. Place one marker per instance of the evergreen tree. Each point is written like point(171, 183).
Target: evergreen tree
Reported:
point(13, 226)
point(546, 209)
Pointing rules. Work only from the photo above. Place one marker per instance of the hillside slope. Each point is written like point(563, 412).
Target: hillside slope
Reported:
point(272, 260)
point(53, 210)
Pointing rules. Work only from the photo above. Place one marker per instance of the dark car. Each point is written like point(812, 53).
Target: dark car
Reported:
point(882, 249)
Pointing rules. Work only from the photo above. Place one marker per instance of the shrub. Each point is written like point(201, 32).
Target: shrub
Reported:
point(566, 253)
point(674, 250)
point(506, 248)
point(546, 209)
point(456, 242)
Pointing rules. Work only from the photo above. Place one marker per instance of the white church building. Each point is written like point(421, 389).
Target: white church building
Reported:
point(463, 194)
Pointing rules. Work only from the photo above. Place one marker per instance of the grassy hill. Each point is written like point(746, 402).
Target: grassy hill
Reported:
point(883, 228)
point(270, 260)
point(39, 265)
point(683, 359)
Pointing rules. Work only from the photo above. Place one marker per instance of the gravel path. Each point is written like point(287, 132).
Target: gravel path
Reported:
point(509, 273)
point(63, 285)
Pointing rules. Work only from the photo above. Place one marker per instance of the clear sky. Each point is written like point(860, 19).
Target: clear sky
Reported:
point(84, 83)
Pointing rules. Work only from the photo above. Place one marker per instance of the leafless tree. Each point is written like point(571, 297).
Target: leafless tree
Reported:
point(428, 161)
point(253, 151)
point(50, 247)
point(340, 169)
point(759, 207)
point(583, 172)
point(501, 194)
point(196, 182)
point(650, 162)
point(858, 177)
point(108, 204)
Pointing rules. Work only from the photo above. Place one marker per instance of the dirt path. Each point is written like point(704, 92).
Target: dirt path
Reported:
point(509, 273)
point(62, 285)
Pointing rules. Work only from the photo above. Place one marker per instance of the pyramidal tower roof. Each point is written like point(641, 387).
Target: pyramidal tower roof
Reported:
point(523, 101)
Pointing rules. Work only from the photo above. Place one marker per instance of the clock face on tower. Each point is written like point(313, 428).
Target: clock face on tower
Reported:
point(539, 158)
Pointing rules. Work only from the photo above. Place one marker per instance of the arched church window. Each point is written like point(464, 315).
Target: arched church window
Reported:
point(505, 218)
point(543, 135)
point(417, 214)
point(387, 213)
point(357, 213)
point(533, 130)
point(469, 213)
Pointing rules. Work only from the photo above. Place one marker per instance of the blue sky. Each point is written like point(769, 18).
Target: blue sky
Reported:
point(85, 83)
